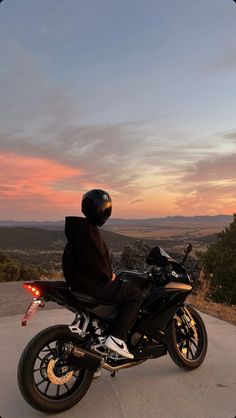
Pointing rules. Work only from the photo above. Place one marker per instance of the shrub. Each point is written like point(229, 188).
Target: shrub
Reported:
point(13, 271)
point(219, 264)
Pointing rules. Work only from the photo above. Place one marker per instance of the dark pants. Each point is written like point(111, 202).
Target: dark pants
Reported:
point(128, 297)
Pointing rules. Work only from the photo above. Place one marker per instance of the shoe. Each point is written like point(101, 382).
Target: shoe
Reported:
point(97, 374)
point(119, 346)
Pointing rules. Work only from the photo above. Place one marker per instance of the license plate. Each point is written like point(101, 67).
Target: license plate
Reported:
point(35, 304)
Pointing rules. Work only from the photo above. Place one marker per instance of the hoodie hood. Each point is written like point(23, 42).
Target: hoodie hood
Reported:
point(75, 225)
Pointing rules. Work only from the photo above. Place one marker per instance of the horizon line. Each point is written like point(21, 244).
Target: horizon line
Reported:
point(119, 218)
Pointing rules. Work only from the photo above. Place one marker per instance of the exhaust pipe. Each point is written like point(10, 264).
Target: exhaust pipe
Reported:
point(80, 358)
point(140, 355)
point(113, 369)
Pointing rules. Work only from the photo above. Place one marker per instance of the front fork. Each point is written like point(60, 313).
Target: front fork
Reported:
point(188, 321)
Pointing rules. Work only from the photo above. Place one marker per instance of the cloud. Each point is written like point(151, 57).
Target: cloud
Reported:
point(213, 169)
point(230, 135)
point(42, 122)
point(207, 198)
point(209, 186)
point(133, 202)
point(38, 119)
point(25, 187)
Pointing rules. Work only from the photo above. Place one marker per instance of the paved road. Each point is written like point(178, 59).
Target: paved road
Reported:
point(155, 389)
point(15, 300)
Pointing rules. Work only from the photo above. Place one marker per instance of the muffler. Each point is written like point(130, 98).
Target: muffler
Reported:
point(80, 358)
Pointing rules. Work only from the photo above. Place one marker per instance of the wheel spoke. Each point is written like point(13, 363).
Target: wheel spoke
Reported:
point(47, 387)
point(40, 368)
point(49, 350)
point(76, 376)
point(191, 352)
point(42, 360)
point(67, 387)
point(41, 381)
point(188, 349)
point(193, 342)
point(58, 391)
point(187, 341)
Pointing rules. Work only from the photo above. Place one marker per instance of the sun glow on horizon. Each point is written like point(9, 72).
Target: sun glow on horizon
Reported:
point(42, 189)
point(29, 186)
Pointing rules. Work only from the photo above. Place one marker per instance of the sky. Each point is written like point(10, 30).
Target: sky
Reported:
point(134, 97)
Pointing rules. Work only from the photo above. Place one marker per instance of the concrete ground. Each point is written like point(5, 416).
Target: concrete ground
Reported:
point(155, 389)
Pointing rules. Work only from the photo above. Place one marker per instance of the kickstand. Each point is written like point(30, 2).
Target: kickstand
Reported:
point(113, 374)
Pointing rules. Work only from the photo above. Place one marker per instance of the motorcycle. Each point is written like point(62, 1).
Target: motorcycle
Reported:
point(57, 366)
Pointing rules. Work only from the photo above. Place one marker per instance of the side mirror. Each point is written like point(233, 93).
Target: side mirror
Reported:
point(188, 248)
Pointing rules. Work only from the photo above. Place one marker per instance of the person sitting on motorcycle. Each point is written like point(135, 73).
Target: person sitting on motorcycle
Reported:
point(87, 268)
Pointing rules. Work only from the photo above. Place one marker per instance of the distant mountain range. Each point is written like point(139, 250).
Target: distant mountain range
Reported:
point(21, 237)
point(49, 235)
point(172, 219)
point(59, 225)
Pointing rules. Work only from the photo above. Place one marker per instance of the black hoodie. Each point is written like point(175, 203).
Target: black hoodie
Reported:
point(86, 264)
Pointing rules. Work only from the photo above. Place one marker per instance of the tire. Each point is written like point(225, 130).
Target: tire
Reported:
point(34, 365)
point(187, 339)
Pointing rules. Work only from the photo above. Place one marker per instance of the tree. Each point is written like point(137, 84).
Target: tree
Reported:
point(3, 258)
point(9, 269)
point(219, 263)
point(12, 270)
point(29, 273)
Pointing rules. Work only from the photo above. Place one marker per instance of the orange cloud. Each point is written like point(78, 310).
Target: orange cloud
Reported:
point(27, 187)
point(42, 189)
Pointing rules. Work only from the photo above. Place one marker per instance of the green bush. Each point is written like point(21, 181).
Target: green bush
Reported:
point(3, 258)
point(13, 271)
point(219, 263)
point(29, 273)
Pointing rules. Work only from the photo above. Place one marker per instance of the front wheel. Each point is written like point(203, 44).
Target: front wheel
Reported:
point(187, 338)
point(45, 379)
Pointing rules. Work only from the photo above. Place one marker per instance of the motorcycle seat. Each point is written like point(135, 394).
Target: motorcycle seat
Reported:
point(84, 297)
point(61, 286)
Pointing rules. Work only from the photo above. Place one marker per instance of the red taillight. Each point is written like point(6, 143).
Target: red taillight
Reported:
point(33, 290)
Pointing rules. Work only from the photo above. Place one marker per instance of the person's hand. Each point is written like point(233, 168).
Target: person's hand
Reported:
point(113, 277)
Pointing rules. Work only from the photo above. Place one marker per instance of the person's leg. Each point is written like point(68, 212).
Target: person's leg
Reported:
point(129, 298)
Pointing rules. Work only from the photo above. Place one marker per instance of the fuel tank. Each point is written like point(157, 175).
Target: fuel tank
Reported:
point(136, 278)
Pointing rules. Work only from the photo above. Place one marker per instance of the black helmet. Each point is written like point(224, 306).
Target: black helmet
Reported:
point(96, 205)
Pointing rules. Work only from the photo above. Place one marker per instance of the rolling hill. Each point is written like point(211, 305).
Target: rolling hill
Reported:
point(26, 238)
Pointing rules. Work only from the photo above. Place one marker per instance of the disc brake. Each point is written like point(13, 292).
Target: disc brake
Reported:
point(58, 380)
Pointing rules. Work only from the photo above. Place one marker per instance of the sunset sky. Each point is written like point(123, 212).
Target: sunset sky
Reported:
point(135, 97)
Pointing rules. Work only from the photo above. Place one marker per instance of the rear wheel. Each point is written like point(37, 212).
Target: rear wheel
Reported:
point(187, 338)
point(45, 379)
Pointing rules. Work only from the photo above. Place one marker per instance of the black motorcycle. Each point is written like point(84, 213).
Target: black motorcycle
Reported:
point(57, 366)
